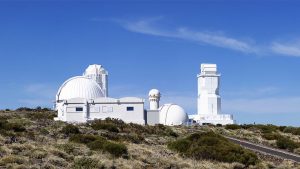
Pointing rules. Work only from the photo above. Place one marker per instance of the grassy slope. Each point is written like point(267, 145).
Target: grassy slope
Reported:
point(43, 144)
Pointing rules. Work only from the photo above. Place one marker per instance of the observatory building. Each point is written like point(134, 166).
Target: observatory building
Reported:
point(84, 98)
point(209, 100)
point(168, 114)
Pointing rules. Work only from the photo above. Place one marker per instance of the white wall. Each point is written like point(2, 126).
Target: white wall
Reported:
point(79, 110)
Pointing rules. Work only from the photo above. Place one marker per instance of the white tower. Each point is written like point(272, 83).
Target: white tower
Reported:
point(100, 75)
point(154, 97)
point(209, 100)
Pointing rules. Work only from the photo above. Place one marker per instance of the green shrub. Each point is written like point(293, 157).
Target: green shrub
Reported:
point(12, 159)
point(170, 132)
point(100, 143)
point(286, 143)
point(292, 130)
point(106, 124)
point(281, 128)
point(97, 144)
point(115, 149)
point(212, 146)
point(70, 129)
point(16, 127)
point(232, 127)
point(219, 125)
point(40, 115)
point(85, 163)
point(271, 136)
point(269, 128)
point(180, 145)
point(68, 148)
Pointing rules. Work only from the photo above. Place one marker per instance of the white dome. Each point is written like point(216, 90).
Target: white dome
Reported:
point(154, 92)
point(172, 114)
point(79, 87)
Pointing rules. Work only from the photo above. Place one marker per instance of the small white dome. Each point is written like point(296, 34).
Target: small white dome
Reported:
point(79, 87)
point(154, 92)
point(172, 114)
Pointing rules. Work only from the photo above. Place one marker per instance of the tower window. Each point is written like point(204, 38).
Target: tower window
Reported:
point(130, 108)
point(79, 109)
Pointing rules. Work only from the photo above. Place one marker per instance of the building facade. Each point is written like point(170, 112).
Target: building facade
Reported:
point(83, 98)
point(209, 100)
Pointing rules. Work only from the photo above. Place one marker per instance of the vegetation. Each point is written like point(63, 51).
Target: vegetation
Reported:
point(100, 143)
point(30, 138)
point(70, 129)
point(286, 143)
point(209, 145)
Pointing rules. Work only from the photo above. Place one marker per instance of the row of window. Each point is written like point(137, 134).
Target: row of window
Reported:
point(105, 109)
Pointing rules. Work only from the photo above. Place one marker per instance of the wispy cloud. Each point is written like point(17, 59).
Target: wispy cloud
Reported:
point(204, 37)
point(152, 26)
point(288, 49)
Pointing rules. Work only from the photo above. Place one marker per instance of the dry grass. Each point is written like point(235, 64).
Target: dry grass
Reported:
point(43, 145)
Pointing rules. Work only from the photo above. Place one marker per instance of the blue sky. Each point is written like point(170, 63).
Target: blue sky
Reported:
point(156, 44)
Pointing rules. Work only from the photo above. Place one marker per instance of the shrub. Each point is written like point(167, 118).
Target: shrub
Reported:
point(232, 127)
point(12, 159)
point(106, 124)
point(286, 143)
point(180, 145)
point(115, 149)
point(170, 132)
point(212, 146)
point(59, 162)
point(38, 154)
point(17, 127)
point(62, 154)
point(100, 143)
point(70, 129)
point(219, 125)
point(23, 109)
point(85, 163)
point(292, 130)
point(40, 115)
point(269, 128)
point(97, 144)
point(271, 136)
point(68, 148)
point(281, 128)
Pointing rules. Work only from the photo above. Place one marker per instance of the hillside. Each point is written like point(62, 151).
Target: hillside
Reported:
point(30, 138)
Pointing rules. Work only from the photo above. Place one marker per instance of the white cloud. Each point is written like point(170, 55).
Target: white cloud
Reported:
point(288, 49)
point(204, 37)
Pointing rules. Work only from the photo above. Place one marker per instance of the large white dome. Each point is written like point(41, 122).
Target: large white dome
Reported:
point(79, 87)
point(172, 114)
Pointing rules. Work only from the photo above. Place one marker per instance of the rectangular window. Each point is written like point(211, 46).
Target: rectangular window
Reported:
point(130, 108)
point(79, 109)
point(104, 109)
